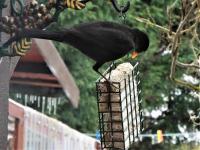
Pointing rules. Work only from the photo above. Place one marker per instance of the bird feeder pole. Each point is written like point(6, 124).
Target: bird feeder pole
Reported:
point(7, 66)
point(3, 97)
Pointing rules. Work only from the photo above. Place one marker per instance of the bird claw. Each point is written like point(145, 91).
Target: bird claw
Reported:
point(110, 83)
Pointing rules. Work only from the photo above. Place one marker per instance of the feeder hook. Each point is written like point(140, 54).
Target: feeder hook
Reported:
point(120, 9)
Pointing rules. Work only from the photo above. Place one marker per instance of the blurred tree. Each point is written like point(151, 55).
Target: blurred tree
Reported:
point(160, 19)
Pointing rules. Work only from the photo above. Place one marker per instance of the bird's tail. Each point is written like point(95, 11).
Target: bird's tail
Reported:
point(59, 36)
point(44, 34)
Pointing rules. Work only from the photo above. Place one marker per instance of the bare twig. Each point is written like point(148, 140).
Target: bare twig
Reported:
point(184, 65)
point(186, 84)
point(148, 22)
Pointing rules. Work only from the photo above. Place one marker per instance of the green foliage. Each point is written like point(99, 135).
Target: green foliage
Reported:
point(157, 89)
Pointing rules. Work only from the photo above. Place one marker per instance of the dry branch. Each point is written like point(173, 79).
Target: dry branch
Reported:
point(183, 65)
point(148, 22)
point(188, 25)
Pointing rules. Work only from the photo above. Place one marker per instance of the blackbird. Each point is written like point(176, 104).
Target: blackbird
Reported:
point(101, 41)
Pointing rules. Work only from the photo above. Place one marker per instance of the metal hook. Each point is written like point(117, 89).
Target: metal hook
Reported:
point(120, 9)
point(2, 5)
point(14, 11)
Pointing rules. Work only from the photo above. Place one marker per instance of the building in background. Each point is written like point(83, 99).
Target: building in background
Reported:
point(32, 130)
point(42, 77)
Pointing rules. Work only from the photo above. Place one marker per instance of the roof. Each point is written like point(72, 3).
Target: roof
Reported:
point(59, 69)
point(44, 51)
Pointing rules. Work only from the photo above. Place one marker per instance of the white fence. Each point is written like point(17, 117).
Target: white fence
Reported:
point(44, 133)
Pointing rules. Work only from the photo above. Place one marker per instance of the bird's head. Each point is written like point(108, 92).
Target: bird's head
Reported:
point(140, 42)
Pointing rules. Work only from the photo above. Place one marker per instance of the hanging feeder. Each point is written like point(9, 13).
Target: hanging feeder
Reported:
point(119, 107)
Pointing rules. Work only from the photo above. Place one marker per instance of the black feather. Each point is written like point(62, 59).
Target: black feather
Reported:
point(101, 41)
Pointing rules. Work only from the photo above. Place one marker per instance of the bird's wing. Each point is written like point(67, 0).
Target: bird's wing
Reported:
point(100, 43)
point(104, 24)
point(107, 38)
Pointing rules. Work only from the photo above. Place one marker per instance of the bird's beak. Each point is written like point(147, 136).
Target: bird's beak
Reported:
point(134, 55)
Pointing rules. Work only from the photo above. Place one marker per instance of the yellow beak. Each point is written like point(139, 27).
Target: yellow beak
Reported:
point(134, 55)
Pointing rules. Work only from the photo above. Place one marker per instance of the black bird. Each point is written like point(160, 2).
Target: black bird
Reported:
point(101, 41)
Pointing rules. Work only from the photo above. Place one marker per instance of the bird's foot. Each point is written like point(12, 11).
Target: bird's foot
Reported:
point(96, 67)
point(110, 83)
point(112, 86)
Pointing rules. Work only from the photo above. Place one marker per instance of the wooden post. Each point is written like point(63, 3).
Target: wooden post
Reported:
point(4, 93)
point(7, 66)
point(17, 112)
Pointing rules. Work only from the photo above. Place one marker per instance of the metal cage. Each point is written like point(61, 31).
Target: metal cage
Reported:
point(119, 111)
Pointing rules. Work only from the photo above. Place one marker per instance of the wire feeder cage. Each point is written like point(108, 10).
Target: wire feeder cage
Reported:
point(119, 110)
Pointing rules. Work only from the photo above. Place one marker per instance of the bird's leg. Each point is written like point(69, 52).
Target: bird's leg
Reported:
point(96, 68)
point(111, 66)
